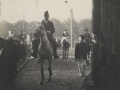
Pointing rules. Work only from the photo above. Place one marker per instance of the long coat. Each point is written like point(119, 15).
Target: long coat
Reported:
point(8, 64)
point(81, 50)
point(49, 26)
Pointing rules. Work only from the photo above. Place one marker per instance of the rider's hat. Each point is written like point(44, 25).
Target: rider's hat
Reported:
point(46, 13)
point(65, 29)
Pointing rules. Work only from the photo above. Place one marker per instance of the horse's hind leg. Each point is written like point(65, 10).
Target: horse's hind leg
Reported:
point(67, 53)
point(49, 69)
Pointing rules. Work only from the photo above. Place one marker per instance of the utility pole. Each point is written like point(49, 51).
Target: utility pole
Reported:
point(71, 12)
point(23, 22)
point(0, 8)
point(1, 32)
point(36, 12)
point(0, 15)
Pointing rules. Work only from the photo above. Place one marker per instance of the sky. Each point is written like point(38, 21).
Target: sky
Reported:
point(12, 10)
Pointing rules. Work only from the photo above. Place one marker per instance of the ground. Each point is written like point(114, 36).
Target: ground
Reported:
point(65, 76)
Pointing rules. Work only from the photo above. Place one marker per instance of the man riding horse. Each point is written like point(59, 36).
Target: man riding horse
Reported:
point(65, 36)
point(49, 28)
point(65, 43)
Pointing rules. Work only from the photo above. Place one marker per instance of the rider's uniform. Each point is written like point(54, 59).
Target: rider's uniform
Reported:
point(65, 36)
point(86, 37)
point(88, 41)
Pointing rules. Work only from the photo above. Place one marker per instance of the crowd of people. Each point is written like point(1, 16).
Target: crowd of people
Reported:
point(11, 51)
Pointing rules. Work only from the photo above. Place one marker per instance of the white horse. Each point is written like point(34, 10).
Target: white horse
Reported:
point(45, 51)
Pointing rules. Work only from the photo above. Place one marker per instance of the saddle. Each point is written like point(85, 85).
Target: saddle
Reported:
point(65, 43)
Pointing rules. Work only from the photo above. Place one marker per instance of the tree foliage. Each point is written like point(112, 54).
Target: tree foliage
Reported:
point(85, 24)
point(21, 25)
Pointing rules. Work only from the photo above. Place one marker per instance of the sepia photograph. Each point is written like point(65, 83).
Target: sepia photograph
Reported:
point(59, 44)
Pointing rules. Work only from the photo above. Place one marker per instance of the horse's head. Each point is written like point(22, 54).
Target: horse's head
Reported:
point(39, 31)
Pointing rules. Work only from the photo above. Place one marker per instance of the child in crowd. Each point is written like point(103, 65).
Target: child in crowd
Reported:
point(81, 55)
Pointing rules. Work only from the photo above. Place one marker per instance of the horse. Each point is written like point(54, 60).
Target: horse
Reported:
point(65, 49)
point(45, 51)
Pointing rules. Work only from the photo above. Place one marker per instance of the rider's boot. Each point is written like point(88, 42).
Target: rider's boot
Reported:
point(55, 53)
point(35, 49)
point(55, 45)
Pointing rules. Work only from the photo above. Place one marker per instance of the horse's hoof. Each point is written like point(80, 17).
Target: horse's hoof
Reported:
point(41, 83)
point(49, 80)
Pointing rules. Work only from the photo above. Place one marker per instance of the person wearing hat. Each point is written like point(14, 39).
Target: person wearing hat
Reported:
point(88, 41)
point(65, 36)
point(49, 27)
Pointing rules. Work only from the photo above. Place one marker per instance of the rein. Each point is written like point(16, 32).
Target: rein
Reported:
point(44, 42)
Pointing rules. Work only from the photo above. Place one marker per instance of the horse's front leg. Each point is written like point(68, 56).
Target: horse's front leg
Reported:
point(67, 53)
point(42, 72)
point(63, 54)
point(49, 69)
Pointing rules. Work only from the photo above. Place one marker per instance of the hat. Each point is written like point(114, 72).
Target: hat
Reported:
point(81, 36)
point(46, 13)
point(65, 29)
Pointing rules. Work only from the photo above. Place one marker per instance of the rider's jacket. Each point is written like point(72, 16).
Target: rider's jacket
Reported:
point(86, 36)
point(48, 26)
point(65, 35)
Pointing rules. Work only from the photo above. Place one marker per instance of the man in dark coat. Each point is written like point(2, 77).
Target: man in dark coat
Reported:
point(4, 65)
point(1, 63)
point(88, 41)
point(49, 27)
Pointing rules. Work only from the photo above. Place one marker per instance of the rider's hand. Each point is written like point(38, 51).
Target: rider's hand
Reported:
point(48, 31)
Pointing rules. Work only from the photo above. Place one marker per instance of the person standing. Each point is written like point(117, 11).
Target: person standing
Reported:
point(89, 42)
point(65, 36)
point(31, 36)
point(81, 55)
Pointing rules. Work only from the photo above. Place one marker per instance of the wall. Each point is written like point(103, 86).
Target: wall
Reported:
point(106, 58)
